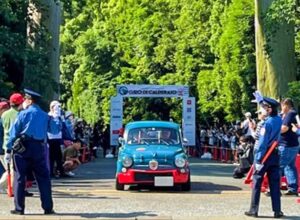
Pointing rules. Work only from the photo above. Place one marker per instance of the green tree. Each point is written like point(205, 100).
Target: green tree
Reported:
point(225, 89)
point(275, 45)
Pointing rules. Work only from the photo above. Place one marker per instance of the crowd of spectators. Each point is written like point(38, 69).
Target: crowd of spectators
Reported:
point(77, 142)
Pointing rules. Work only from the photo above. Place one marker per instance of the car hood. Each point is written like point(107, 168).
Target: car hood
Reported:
point(163, 154)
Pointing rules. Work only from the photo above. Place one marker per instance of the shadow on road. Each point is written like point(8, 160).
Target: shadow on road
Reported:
point(197, 187)
point(105, 215)
point(284, 217)
point(79, 195)
point(212, 187)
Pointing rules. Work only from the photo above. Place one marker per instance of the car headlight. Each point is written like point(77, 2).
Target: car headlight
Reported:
point(127, 161)
point(180, 162)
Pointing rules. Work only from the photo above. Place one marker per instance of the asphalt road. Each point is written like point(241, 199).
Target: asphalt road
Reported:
point(91, 194)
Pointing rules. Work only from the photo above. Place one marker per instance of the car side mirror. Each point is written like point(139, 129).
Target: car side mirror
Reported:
point(185, 141)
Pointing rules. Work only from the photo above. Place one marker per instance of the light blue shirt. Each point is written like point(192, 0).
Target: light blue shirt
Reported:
point(34, 123)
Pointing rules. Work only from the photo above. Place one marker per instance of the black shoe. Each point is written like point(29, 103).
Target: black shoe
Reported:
point(268, 194)
point(49, 212)
point(251, 214)
point(28, 194)
point(16, 212)
point(291, 193)
point(278, 214)
point(64, 175)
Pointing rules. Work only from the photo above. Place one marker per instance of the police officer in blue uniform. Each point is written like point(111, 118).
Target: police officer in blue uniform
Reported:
point(269, 133)
point(32, 125)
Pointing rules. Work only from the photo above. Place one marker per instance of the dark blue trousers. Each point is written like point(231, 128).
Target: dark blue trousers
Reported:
point(32, 159)
point(271, 167)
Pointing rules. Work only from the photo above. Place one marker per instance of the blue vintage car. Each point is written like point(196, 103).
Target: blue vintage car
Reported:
point(152, 153)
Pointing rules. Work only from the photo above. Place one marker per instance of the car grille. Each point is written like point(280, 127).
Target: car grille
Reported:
point(149, 176)
point(160, 166)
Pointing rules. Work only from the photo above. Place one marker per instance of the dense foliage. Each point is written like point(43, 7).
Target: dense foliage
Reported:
point(24, 51)
point(208, 45)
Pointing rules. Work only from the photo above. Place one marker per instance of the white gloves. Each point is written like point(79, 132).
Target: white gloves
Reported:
point(7, 158)
point(258, 97)
point(258, 167)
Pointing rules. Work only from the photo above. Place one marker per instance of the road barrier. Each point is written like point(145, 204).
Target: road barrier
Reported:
point(225, 155)
point(284, 184)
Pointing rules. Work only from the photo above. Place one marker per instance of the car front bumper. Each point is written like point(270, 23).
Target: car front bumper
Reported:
point(135, 176)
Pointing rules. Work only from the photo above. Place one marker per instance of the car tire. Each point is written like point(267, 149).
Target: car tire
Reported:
point(186, 186)
point(119, 186)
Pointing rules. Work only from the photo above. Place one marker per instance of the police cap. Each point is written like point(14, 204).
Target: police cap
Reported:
point(31, 94)
point(270, 102)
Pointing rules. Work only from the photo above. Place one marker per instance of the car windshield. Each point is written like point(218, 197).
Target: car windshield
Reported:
point(153, 135)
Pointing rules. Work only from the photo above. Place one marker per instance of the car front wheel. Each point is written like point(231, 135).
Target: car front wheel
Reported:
point(119, 186)
point(186, 186)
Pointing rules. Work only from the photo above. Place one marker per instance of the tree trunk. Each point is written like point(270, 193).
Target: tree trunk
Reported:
point(46, 15)
point(275, 69)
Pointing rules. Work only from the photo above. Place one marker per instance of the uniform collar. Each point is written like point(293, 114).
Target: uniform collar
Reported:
point(33, 106)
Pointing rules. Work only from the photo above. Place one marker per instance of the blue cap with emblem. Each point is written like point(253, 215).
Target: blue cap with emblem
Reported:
point(31, 94)
point(270, 102)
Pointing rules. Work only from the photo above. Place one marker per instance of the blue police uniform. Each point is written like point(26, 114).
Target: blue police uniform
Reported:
point(32, 123)
point(269, 133)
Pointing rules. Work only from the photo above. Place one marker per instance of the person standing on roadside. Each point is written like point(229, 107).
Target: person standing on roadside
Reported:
point(269, 132)
point(3, 107)
point(31, 125)
point(289, 147)
point(55, 141)
point(8, 118)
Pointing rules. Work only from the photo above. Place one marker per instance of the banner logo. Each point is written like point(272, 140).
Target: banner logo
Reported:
point(123, 90)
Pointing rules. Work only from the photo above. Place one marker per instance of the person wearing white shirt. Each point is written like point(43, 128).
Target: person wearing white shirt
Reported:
point(55, 141)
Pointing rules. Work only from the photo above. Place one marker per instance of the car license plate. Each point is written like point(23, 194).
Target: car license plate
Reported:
point(163, 181)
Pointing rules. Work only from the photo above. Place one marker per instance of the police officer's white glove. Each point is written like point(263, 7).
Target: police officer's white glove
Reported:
point(258, 97)
point(7, 158)
point(258, 167)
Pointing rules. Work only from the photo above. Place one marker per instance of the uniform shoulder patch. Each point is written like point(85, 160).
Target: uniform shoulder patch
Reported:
point(262, 131)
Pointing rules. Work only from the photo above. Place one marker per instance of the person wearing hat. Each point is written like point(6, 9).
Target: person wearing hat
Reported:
point(289, 147)
point(32, 124)
point(69, 122)
point(269, 132)
point(3, 107)
point(8, 118)
point(55, 141)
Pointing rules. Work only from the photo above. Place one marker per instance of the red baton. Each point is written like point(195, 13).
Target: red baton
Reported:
point(9, 186)
point(248, 179)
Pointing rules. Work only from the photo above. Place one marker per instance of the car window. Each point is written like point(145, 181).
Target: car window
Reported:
point(153, 135)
